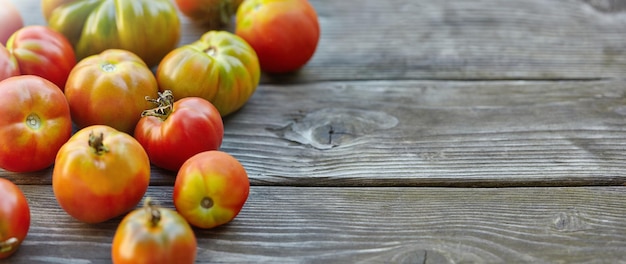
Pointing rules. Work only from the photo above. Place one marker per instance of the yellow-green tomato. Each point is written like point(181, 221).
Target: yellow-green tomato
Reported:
point(210, 189)
point(148, 28)
point(220, 67)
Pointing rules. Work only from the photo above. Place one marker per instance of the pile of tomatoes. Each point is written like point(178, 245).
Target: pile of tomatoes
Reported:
point(104, 91)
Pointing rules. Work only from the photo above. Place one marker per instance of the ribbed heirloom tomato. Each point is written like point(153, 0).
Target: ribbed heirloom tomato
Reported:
point(110, 89)
point(174, 131)
point(14, 218)
point(210, 189)
point(100, 173)
point(34, 123)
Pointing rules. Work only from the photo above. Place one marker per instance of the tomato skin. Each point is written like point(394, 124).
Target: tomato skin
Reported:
point(110, 89)
point(10, 19)
point(219, 67)
point(284, 33)
point(8, 64)
point(94, 186)
point(193, 126)
point(214, 13)
point(41, 51)
point(213, 175)
point(148, 28)
point(14, 216)
point(34, 124)
point(139, 240)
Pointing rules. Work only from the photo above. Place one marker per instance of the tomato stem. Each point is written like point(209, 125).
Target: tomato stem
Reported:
point(8, 245)
point(211, 51)
point(96, 142)
point(154, 215)
point(165, 105)
point(206, 202)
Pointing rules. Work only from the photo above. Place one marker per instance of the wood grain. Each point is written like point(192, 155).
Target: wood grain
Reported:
point(381, 225)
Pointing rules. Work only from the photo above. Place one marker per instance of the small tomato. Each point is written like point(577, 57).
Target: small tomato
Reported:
point(175, 131)
point(210, 189)
point(34, 124)
point(110, 89)
point(100, 173)
point(14, 218)
point(284, 33)
point(153, 235)
point(41, 51)
point(220, 67)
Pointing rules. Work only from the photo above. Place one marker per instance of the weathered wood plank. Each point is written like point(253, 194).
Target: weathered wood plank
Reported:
point(382, 225)
point(418, 133)
point(455, 39)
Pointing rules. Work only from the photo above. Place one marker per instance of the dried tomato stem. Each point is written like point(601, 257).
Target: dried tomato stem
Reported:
point(96, 142)
point(8, 245)
point(164, 105)
point(154, 215)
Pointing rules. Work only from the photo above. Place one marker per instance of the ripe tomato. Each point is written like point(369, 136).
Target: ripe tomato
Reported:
point(14, 218)
point(8, 64)
point(219, 67)
point(100, 173)
point(173, 132)
point(153, 235)
point(210, 189)
point(284, 33)
point(10, 19)
point(214, 13)
point(39, 50)
point(35, 122)
point(110, 89)
point(148, 28)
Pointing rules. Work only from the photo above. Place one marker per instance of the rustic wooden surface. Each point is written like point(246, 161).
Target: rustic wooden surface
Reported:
point(381, 148)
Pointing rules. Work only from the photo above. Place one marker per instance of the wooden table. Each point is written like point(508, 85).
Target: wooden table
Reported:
point(421, 132)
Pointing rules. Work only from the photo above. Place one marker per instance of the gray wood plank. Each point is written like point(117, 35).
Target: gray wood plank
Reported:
point(426, 133)
point(376, 225)
point(455, 39)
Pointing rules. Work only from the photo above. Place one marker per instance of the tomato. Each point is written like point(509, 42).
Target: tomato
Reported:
point(175, 131)
point(10, 19)
point(214, 13)
point(210, 189)
point(100, 173)
point(148, 28)
point(14, 218)
point(8, 64)
point(219, 67)
point(284, 33)
point(41, 51)
point(153, 235)
point(34, 124)
point(110, 89)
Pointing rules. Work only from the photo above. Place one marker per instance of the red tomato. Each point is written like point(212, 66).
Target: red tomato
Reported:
point(210, 189)
point(41, 51)
point(284, 33)
point(8, 64)
point(110, 89)
point(174, 132)
point(35, 122)
point(14, 217)
point(100, 173)
point(153, 235)
point(219, 67)
point(214, 13)
point(10, 19)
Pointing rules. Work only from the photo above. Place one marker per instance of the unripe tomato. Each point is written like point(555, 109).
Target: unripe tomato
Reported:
point(284, 33)
point(153, 235)
point(210, 189)
point(110, 89)
point(14, 218)
point(220, 67)
point(175, 131)
point(34, 123)
point(100, 173)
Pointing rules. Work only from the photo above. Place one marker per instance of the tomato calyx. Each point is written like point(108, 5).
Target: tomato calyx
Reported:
point(211, 51)
point(8, 245)
point(108, 67)
point(165, 105)
point(96, 143)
